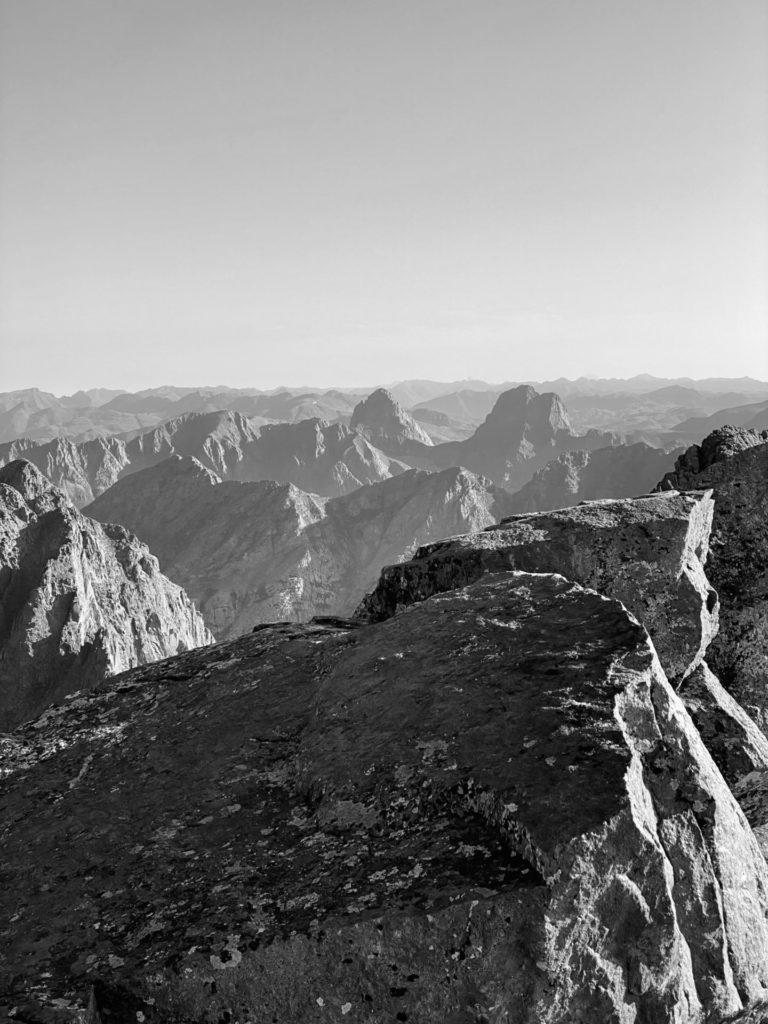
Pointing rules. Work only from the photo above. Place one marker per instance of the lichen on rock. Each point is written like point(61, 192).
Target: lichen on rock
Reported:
point(647, 552)
point(493, 803)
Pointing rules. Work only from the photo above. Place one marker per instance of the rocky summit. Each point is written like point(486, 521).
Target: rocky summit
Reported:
point(733, 463)
point(78, 601)
point(647, 552)
point(256, 552)
point(493, 803)
point(488, 804)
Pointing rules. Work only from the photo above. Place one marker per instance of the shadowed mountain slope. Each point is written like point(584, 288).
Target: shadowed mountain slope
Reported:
point(618, 472)
point(523, 431)
point(255, 552)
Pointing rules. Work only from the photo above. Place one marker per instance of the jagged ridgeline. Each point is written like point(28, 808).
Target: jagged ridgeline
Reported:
point(78, 601)
point(522, 432)
point(503, 791)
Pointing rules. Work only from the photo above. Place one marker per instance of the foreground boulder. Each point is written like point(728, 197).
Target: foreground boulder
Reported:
point(733, 463)
point(648, 552)
point(490, 807)
point(78, 601)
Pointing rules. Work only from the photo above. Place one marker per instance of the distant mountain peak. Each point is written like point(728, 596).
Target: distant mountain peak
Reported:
point(523, 409)
point(381, 418)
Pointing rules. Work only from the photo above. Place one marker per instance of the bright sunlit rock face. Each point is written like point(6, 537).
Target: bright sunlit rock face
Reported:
point(78, 601)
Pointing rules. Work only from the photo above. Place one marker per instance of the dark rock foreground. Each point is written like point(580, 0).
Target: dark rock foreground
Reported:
point(490, 807)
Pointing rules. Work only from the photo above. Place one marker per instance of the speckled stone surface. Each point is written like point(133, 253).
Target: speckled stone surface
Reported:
point(647, 552)
point(491, 807)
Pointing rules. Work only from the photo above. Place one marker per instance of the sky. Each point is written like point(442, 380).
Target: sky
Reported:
point(275, 192)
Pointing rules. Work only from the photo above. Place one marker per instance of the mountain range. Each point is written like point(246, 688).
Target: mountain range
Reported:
point(258, 552)
point(644, 403)
point(520, 434)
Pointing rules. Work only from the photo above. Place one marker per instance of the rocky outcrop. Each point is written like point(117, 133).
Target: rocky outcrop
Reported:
point(256, 552)
point(734, 463)
point(385, 423)
point(78, 601)
point(618, 472)
point(648, 553)
point(492, 806)
point(720, 445)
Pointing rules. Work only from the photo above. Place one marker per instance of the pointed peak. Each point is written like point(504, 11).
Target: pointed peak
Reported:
point(381, 419)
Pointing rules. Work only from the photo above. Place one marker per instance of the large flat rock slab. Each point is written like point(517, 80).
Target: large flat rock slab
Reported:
point(647, 552)
point(491, 806)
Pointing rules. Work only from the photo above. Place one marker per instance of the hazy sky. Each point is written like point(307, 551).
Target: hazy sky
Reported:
point(263, 192)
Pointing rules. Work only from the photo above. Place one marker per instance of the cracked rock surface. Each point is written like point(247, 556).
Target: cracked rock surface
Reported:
point(492, 806)
point(733, 463)
point(78, 601)
point(647, 552)
point(733, 739)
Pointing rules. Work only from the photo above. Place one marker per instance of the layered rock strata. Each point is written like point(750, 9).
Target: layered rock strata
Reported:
point(78, 601)
point(491, 806)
